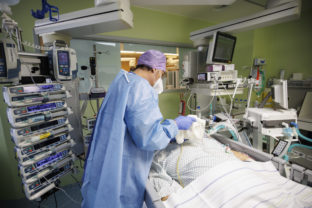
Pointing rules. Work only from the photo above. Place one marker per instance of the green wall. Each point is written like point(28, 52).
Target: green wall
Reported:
point(9, 180)
point(285, 46)
point(161, 26)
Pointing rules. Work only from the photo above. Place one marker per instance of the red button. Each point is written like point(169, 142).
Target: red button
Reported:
point(27, 132)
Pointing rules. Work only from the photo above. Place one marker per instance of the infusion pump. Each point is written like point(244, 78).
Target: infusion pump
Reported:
point(63, 63)
point(38, 114)
point(9, 69)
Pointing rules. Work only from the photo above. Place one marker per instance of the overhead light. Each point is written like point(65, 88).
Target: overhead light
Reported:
point(106, 43)
point(137, 52)
point(127, 59)
point(141, 52)
point(171, 54)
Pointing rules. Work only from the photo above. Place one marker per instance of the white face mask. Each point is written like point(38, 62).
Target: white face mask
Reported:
point(158, 86)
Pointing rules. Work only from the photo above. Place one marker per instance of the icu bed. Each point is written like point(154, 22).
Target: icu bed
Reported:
point(297, 173)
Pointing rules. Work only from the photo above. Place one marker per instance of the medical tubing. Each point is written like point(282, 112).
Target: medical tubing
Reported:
point(258, 93)
point(216, 129)
point(233, 135)
point(235, 90)
point(220, 127)
point(296, 145)
point(294, 124)
point(223, 126)
point(66, 194)
point(299, 133)
point(247, 139)
point(197, 110)
point(230, 119)
point(302, 136)
point(178, 172)
point(249, 95)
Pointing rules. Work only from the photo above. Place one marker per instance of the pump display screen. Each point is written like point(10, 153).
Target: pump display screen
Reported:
point(202, 77)
point(1, 51)
point(35, 88)
point(44, 125)
point(49, 159)
point(46, 87)
point(51, 175)
point(63, 63)
point(30, 89)
point(41, 88)
point(48, 142)
point(41, 107)
point(3, 72)
point(20, 98)
point(63, 58)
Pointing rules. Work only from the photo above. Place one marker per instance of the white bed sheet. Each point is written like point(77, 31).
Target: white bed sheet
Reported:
point(242, 184)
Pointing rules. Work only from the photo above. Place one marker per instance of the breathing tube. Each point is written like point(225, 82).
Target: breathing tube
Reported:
point(299, 134)
point(298, 145)
point(223, 126)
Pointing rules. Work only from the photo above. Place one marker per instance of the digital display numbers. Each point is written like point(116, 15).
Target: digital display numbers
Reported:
point(49, 159)
point(41, 107)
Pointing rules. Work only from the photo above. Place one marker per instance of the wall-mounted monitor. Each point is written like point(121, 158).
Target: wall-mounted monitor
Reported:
point(221, 48)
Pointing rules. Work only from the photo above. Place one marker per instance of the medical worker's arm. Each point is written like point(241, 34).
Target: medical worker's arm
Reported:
point(144, 120)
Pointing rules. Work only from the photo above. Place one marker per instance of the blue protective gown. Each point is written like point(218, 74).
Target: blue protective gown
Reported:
point(128, 129)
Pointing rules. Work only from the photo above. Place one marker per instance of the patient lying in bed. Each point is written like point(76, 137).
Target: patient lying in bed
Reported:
point(177, 166)
point(214, 176)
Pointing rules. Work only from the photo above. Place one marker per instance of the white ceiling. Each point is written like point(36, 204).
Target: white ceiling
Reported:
point(213, 14)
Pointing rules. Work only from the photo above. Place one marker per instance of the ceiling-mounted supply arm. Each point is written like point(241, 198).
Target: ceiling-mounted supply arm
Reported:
point(285, 12)
point(77, 24)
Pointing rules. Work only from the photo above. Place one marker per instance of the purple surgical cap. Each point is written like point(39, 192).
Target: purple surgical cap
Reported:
point(154, 59)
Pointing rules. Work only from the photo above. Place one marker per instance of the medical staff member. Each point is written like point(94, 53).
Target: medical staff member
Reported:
point(129, 128)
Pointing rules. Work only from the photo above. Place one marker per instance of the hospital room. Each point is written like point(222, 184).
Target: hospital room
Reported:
point(156, 104)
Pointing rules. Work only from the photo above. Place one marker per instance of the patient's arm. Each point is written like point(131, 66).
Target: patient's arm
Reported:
point(164, 198)
point(241, 156)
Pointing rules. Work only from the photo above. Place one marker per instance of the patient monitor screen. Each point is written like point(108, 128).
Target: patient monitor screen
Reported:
point(224, 48)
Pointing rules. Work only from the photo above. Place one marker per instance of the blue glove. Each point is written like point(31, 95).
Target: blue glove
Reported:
point(174, 140)
point(184, 122)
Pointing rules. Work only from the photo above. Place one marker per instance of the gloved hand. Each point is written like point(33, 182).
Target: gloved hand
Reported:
point(184, 122)
point(175, 141)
